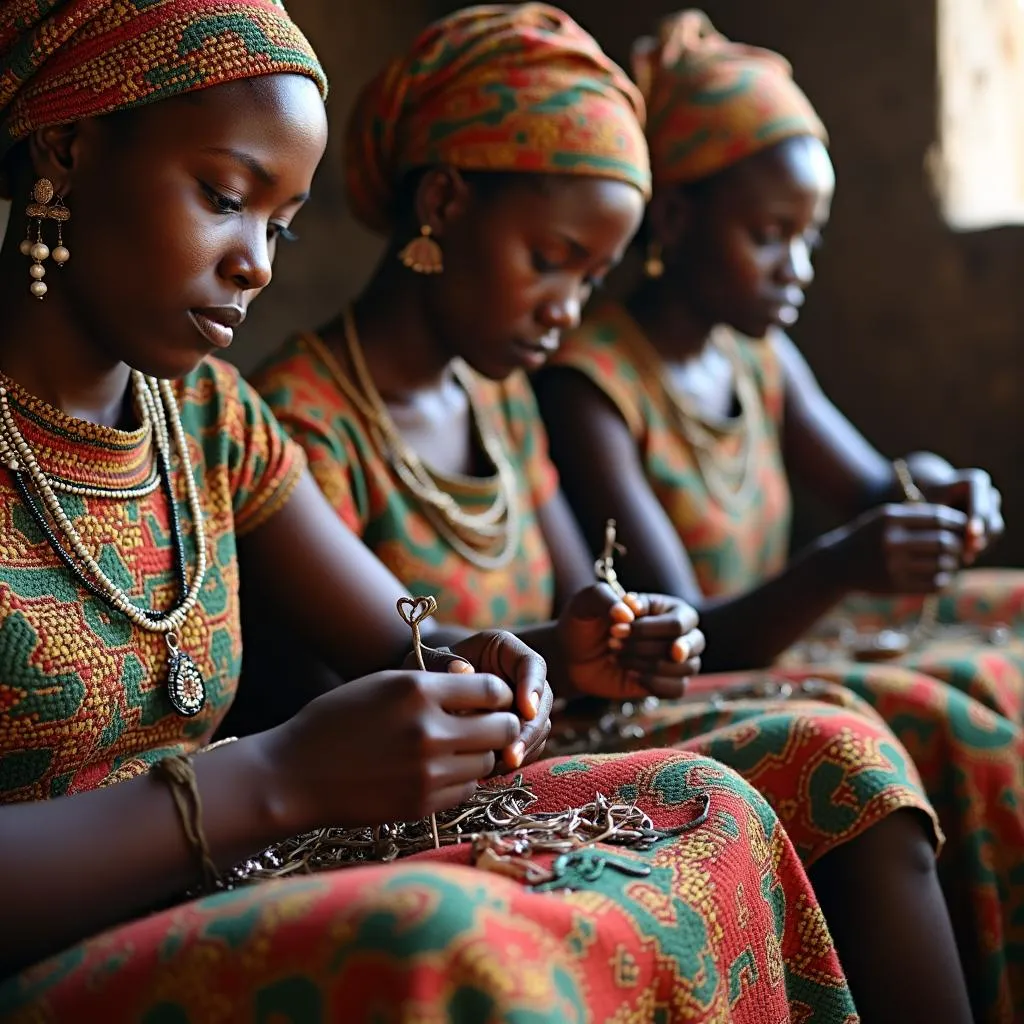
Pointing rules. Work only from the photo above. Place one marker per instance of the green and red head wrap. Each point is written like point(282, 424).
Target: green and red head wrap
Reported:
point(712, 102)
point(62, 60)
point(518, 87)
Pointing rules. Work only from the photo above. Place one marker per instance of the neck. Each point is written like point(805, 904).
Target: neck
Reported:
point(402, 351)
point(44, 350)
point(669, 323)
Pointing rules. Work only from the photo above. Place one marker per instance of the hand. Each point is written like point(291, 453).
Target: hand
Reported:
point(639, 645)
point(395, 746)
point(507, 657)
point(972, 492)
point(902, 549)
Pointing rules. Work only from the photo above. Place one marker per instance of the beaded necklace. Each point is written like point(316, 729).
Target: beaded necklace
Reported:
point(157, 405)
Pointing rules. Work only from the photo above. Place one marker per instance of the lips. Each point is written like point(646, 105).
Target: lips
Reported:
point(534, 354)
point(217, 323)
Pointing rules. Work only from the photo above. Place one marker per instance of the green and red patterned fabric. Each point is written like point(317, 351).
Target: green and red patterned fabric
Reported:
point(299, 383)
point(728, 547)
point(497, 87)
point(712, 102)
point(955, 705)
point(724, 928)
point(83, 700)
point(61, 60)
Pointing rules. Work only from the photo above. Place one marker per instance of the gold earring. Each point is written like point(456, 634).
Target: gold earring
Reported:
point(423, 255)
point(35, 248)
point(654, 265)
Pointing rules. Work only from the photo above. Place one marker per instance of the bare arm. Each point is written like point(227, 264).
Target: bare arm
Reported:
point(72, 866)
point(573, 563)
point(603, 477)
point(822, 448)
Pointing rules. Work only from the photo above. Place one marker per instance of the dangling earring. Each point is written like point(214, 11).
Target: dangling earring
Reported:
point(423, 255)
point(35, 248)
point(654, 265)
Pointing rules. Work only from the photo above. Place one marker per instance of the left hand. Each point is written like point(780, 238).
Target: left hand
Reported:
point(506, 656)
point(972, 492)
point(640, 645)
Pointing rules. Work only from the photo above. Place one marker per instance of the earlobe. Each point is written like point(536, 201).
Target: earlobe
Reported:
point(441, 197)
point(52, 154)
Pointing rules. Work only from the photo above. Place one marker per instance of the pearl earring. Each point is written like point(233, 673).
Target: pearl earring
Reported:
point(40, 209)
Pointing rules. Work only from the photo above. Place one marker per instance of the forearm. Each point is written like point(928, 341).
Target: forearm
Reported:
point(72, 866)
point(753, 629)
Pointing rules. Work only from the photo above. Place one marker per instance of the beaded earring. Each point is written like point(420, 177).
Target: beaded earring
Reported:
point(423, 255)
point(45, 205)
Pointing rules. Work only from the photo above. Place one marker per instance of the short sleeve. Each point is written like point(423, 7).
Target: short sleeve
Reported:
point(597, 349)
point(306, 402)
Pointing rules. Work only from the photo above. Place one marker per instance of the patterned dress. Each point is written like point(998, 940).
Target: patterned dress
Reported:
point(953, 703)
point(830, 768)
point(723, 927)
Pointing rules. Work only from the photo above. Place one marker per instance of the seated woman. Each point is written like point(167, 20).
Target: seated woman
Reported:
point(681, 412)
point(507, 146)
point(137, 475)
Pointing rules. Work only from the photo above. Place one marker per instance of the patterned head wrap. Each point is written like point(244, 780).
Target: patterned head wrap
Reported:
point(495, 87)
point(61, 60)
point(712, 102)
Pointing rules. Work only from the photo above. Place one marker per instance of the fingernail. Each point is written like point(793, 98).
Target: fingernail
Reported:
point(534, 701)
point(976, 526)
point(462, 667)
point(516, 754)
point(680, 650)
point(621, 613)
point(614, 645)
point(621, 630)
point(633, 603)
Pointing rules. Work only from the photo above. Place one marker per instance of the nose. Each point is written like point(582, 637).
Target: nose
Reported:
point(798, 268)
point(561, 313)
point(249, 264)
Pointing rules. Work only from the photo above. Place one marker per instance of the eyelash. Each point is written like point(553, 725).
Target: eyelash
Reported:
point(225, 205)
point(543, 266)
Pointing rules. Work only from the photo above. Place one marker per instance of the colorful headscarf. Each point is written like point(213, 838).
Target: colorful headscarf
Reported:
point(61, 60)
point(712, 102)
point(495, 88)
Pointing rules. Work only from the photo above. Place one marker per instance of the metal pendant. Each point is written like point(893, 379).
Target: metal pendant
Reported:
point(186, 687)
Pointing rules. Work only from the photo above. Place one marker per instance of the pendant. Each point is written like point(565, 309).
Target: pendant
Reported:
point(185, 685)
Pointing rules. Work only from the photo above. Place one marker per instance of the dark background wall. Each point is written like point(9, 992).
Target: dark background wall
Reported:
point(914, 330)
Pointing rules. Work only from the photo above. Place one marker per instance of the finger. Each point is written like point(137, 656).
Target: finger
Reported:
point(657, 683)
point(922, 566)
point(925, 542)
point(678, 649)
point(454, 796)
point(924, 583)
point(667, 626)
point(478, 691)
point(658, 605)
point(531, 675)
point(530, 731)
point(460, 769)
point(536, 750)
point(927, 517)
point(473, 734)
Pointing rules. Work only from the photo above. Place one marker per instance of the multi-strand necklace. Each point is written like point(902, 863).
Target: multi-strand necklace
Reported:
point(158, 410)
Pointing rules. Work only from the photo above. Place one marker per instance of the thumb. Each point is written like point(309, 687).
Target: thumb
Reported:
point(443, 659)
point(599, 602)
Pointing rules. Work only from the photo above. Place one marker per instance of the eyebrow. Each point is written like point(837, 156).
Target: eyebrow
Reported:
point(254, 166)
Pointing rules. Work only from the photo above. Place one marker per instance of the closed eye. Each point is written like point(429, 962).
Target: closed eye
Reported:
point(220, 202)
point(281, 233)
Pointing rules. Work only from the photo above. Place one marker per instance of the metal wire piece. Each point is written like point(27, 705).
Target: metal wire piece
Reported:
point(505, 836)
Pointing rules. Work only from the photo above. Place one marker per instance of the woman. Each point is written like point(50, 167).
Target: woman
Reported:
point(127, 503)
point(506, 145)
point(687, 427)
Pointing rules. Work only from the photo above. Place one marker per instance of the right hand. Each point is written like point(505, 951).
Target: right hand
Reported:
point(903, 549)
point(394, 746)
